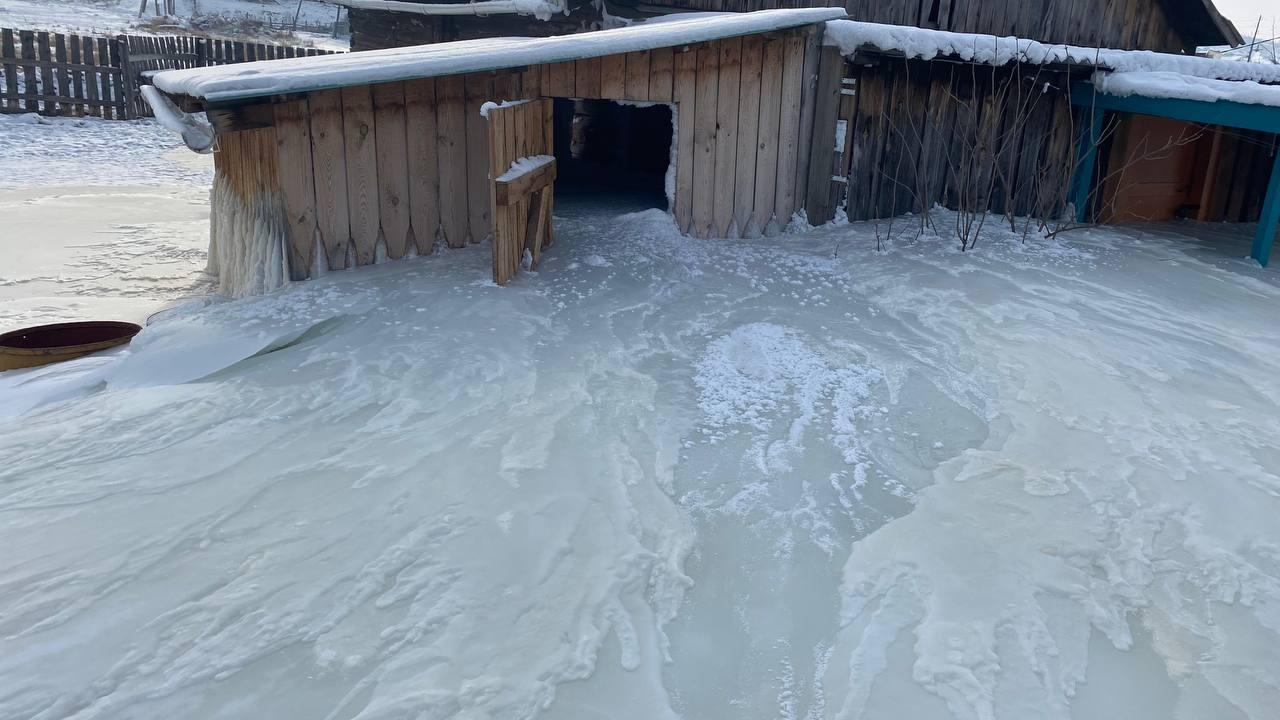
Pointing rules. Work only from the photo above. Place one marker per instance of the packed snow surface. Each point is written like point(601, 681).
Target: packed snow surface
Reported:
point(851, 35)
point(793, 477)
point(272, 77)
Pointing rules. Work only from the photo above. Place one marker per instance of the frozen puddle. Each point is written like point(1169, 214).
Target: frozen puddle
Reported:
point(660, 477)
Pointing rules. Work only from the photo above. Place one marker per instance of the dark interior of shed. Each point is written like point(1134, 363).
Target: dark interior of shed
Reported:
point(612, 151)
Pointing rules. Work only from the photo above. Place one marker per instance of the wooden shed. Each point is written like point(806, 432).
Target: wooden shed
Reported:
point(332, 161)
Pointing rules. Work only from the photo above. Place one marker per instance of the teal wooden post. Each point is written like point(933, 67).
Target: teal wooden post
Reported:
point(1266, 234)
point(1087, 158)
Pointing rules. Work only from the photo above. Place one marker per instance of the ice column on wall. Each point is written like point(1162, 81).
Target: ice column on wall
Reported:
point(248, 236)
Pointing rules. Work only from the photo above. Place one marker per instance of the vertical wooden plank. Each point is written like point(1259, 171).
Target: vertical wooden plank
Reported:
point(660, 74)
point(613, 77)
point(587, 78)
point(637, 81)
point(30, 85)
point(704, 140)
point(63, 75)
point(789, 128)
point(822, 148)
point(452, 152)
point(48, 89)
point(109, 88)
point(91, 76)
point(748, 137)
point(360, 140)
point(424, 170)
point(9, 53)
point(531, 82)
point(77, 75)
point(499, 250)
point(297, 184)
point(685, 93)
point(726, 161)
point(766, 175)
point(392, 168)
point(813, 55)
point(562, 80)
point(478, 89)
point(329, 157)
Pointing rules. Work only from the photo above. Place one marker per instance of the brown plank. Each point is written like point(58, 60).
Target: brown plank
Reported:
point(613, 77)
point(424, 170)
point(508, 192)
point(748, 137)
point(660, 74)
point(766, 175)
point(478, 89)
point(814, 54)
point(293, 149)
point(789, 128)
point(822, 149)
point(393, 168)
point(452, 153)
point(587, 78)
point(704, 141)
point(637, 82)
point(562, 80)
point(500, 252)
point(329, 157)
point(684, 92)
point(360, 140)
point(726, 161)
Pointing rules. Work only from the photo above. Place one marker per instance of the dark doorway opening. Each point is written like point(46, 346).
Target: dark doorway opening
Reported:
point(607, 151)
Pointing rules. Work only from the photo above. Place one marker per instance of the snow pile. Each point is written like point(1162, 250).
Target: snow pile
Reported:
point(851, 36)
point(272, 77)
point(1186, 87)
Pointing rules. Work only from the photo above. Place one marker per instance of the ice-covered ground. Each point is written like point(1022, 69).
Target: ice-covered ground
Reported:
point(662, 477)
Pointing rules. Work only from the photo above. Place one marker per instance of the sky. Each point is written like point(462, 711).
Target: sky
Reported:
point(1244, 13)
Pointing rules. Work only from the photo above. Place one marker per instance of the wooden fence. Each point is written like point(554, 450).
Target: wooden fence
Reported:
point(64, 74)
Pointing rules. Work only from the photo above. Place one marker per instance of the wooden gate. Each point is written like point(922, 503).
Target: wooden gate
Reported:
point(523, 173)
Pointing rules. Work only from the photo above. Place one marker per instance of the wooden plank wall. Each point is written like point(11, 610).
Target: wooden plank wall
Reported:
point(396, 168)
point(62, 74)
point(925, 133)
point(1126, 24)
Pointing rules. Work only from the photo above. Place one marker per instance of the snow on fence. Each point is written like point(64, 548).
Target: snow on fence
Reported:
point(64, 74)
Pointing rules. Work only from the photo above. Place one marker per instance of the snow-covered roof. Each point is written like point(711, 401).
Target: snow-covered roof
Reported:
point(276, 77)
point(1186, 87)
point(851, 36)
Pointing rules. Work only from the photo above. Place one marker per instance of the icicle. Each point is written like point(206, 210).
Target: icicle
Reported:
point(246, 241)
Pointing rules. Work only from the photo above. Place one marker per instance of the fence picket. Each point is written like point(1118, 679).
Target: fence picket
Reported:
point(9, 63)
point(66, 74)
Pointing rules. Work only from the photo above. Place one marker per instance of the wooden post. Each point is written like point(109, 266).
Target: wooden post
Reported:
point(1266, 234)
point(1087, 158)
point(9, 54)
point(822, 147)
point(1210, 175)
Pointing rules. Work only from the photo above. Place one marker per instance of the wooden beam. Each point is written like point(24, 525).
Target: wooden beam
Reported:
point(509, 189)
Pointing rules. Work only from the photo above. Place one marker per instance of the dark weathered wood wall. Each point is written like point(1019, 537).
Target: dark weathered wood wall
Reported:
point(1127, 24)
point(407, 164)
point(962, 136)
point(1130, 24)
